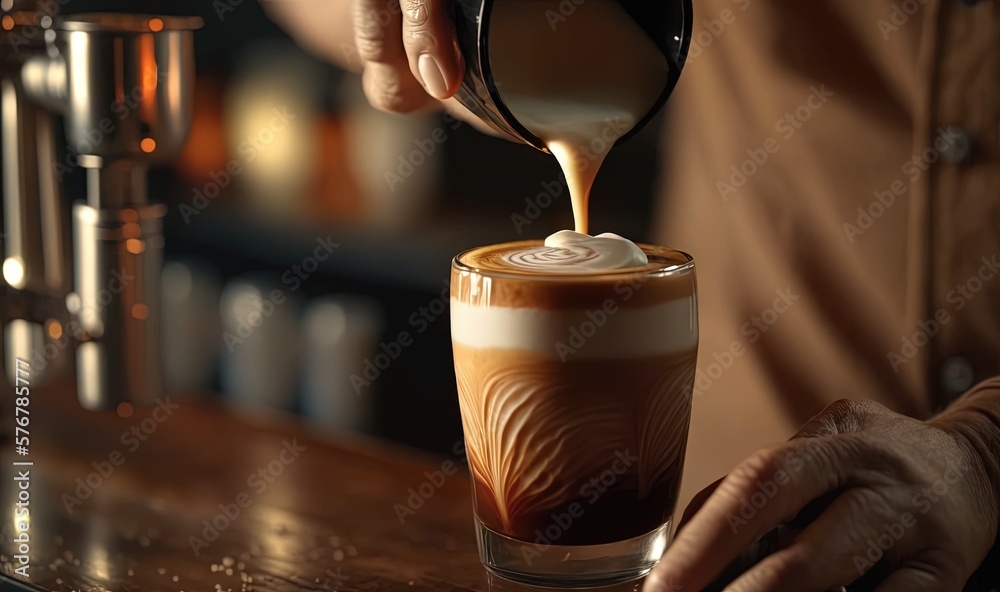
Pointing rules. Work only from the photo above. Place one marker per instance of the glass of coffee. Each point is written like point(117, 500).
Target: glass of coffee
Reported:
point(575, 390)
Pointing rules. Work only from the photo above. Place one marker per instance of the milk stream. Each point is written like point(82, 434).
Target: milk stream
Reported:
point(578, 81)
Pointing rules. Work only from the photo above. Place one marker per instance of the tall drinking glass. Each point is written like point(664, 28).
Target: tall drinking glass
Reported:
point(575, 392)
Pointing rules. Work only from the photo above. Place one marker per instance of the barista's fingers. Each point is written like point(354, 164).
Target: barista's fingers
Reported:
point(390, 89)
point(388, 84)
point(431, 46)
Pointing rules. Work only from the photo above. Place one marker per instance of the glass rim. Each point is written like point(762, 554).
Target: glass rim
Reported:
point(669, 269)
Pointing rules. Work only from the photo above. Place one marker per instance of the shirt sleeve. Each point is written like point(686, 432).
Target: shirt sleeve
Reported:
point(976, 415)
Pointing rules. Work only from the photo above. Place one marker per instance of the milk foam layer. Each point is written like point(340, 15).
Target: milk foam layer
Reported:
point(615, 333)
point(575, 253)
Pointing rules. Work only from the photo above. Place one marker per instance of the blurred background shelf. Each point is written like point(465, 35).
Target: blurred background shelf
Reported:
point(417, 258)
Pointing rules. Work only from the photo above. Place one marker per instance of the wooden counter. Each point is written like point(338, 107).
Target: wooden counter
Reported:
point(322, 516)
point(315, 513)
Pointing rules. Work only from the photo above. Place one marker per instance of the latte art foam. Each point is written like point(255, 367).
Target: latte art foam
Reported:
point(573, 252)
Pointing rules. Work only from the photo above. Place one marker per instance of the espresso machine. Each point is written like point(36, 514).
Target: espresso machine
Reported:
point(123, 86)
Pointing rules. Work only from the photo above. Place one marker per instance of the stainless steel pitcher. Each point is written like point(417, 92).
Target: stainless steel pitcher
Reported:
point(667, 22)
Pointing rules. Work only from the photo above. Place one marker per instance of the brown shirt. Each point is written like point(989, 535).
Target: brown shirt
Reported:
point(834, 168)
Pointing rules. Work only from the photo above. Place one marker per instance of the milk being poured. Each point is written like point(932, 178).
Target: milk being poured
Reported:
point(579, 81)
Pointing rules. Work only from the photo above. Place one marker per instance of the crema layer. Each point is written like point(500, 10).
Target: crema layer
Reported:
point(483, 277)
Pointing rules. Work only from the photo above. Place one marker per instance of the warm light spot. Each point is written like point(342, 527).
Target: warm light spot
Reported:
point(73, 303)
point(55, 329)
point(155, 25)
point(129, 215)
point(87, 214)
point(140, 312)
point(13, 272)
point(124, 410)
point(149, 104)
point(148, 145)
point(8, 23)
point(131, 230)
point(135, 246)
point(205, 151)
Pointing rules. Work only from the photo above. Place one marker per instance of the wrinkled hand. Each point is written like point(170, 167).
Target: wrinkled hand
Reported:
point(409, 52)
point(866, 493)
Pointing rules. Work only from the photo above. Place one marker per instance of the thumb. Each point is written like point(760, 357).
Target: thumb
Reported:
point(910, 579)
point(846, 416)
point(697, 502)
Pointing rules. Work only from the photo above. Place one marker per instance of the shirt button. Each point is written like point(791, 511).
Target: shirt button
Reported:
point(957, 375)
point(959, 149)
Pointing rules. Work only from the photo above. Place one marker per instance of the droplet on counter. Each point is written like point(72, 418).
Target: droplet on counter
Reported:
point(229, 571)
point(338, 555)
point(131, 573)
point(162, 571)
point(215, 567)
point(228, 561)
point(240, 566)
point(175, 578)
point(410, 582)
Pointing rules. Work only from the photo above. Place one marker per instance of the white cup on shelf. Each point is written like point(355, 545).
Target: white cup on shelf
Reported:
point(260, 344)
point(190, 329)
point(340, 334)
